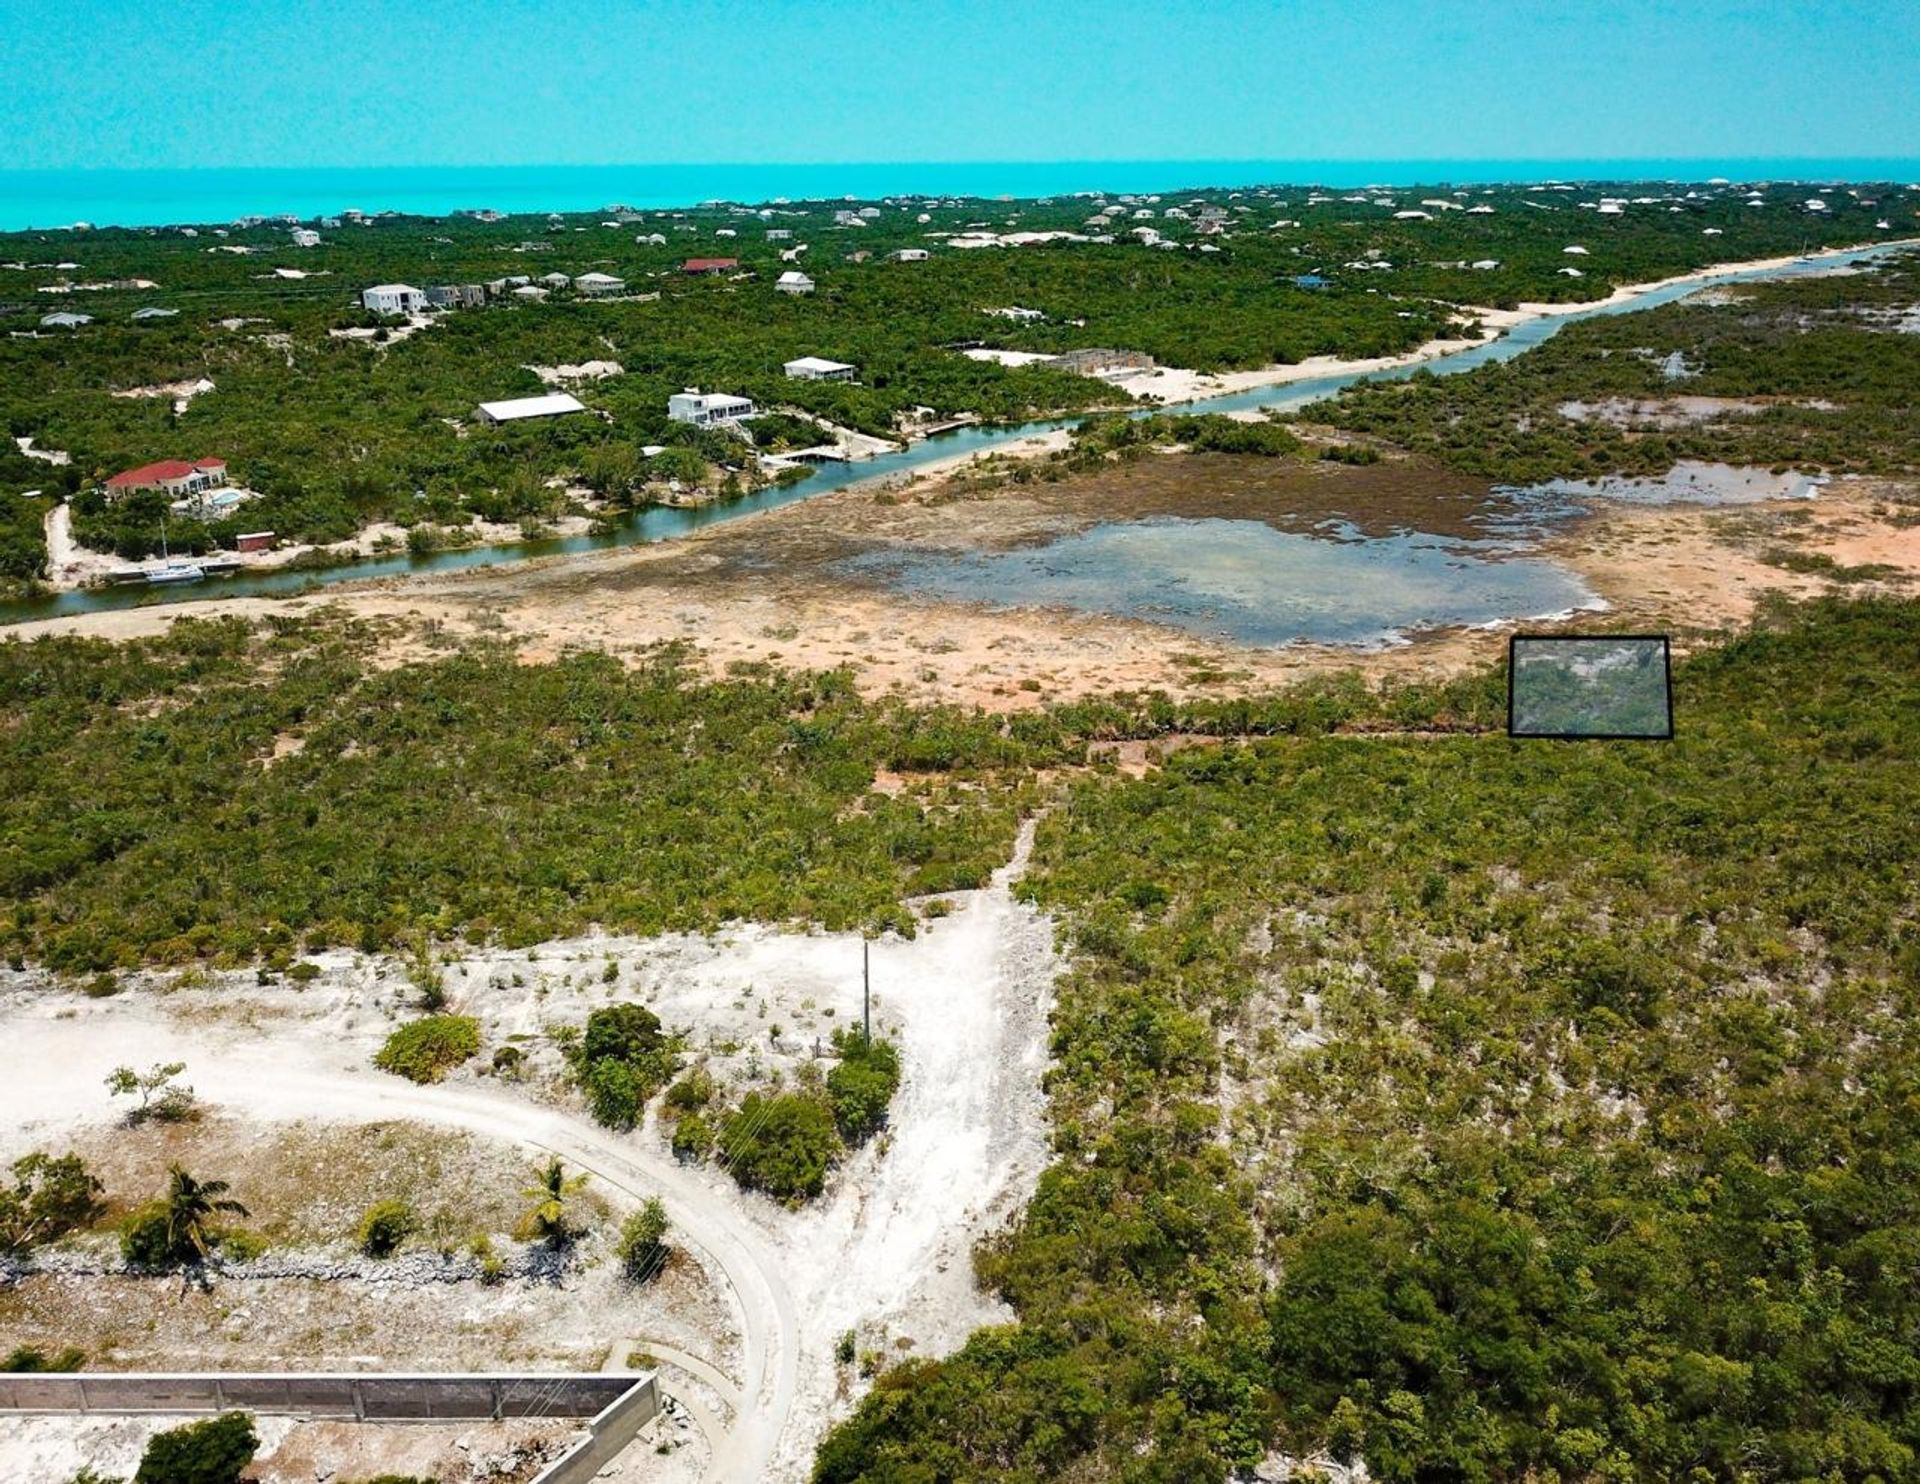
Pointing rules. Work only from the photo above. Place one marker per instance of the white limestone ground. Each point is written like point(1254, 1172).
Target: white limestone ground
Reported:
point(885, 1251)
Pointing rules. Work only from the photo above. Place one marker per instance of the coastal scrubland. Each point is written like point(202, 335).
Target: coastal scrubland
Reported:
point(1473, 1108)
point(1470, 1107)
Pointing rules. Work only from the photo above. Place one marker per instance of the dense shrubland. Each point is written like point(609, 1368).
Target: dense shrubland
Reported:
point(1480, 1109)
point(160, 826)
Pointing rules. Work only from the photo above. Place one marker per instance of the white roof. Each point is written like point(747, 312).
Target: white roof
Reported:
point(598, 278)
point(816, 363)
point(553, 404)
point(393, 288)
point(792, 277)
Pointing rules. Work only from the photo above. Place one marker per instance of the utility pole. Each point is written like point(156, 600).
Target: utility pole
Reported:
point(866, 988)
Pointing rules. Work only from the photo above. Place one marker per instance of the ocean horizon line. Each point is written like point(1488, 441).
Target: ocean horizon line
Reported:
point(109, 196)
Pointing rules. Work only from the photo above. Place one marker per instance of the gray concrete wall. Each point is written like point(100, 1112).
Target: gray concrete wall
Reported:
point(370, 1397)
point(608, 1434)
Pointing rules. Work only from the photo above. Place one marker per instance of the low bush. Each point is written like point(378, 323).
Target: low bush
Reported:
point(385, 1226)
point(216, 1451)
point(862, 1085)
point(426, 1050)
point(642, 1247)
point(783, 1145)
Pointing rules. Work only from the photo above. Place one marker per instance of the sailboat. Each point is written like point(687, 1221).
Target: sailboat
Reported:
point(172, 569)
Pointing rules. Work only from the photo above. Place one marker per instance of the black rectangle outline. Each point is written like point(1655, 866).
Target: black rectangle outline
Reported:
point(1666, 652)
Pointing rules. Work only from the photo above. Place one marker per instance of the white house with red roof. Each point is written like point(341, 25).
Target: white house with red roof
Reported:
point(173, 477)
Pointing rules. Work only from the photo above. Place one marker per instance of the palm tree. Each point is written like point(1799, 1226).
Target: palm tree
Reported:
point(191, 1204)
point(548, 1215)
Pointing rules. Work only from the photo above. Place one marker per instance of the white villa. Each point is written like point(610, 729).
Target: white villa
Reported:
point(705, 409)
point(600, 283)
point(394, 298)
point(793, 282)
point(519, 409)
point(910, 255)
point(814, 368)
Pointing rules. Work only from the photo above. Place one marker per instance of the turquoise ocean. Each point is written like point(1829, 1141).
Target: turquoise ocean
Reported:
point(136, 198)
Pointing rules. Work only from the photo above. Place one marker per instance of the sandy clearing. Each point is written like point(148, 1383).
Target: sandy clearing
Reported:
point(293, 1450)
point(886, 1251)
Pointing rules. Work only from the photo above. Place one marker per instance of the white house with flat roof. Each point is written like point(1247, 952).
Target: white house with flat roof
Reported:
point(815, 368)
point(519, 409)
point(705, 409)
point(394, 298)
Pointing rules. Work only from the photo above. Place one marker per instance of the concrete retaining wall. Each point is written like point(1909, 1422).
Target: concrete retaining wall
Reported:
point(607, 1435)
point(397, 1398)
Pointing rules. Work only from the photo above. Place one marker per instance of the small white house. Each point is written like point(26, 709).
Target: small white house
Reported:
point(519, 409)
point(305, 237)
point(792, 282)
point(394, 298)
point(65, 320)
point(556, 280)
point(779, 234)
point(600, 284)
point(910, 255)
point(705, 409)
point(814, 368)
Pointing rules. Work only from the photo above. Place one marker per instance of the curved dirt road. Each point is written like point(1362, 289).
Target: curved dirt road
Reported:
point(59, 1064)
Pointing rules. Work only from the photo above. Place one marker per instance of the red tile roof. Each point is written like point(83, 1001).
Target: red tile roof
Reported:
point(709, 265)
point(166, 469)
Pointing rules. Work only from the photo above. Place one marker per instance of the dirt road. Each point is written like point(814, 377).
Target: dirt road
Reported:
point(886, 1251)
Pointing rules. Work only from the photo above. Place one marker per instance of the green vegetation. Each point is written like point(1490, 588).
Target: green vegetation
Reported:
point(31, 1359)
point(861, 1086)
point(335, 433)
point(782, 1144)
point(642, 1249)
point(179, 1228)
point(1484, 1109)
point(622, 1061)
point(48, 1199)
point(425, 1050)
point(1587, 688)
point(161, 1098)
point(550, 1215)
point(1478, 1108)
point(216, 1451)
point(1815, 369)
point(385, 1226)
point(638, 798)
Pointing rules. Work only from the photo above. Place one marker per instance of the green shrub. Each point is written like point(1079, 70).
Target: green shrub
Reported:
point(692, 1092)
point(621, 1059)
point(642, 1247)
point(862, 1085)
point(692, 1137)
point(48, 1199)
point(426, 1050)
point(782, 1145)
point(216, 1451)
point(31, 1359)
point(145, 1240)
point(616, 1094)
point(385, 1226)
